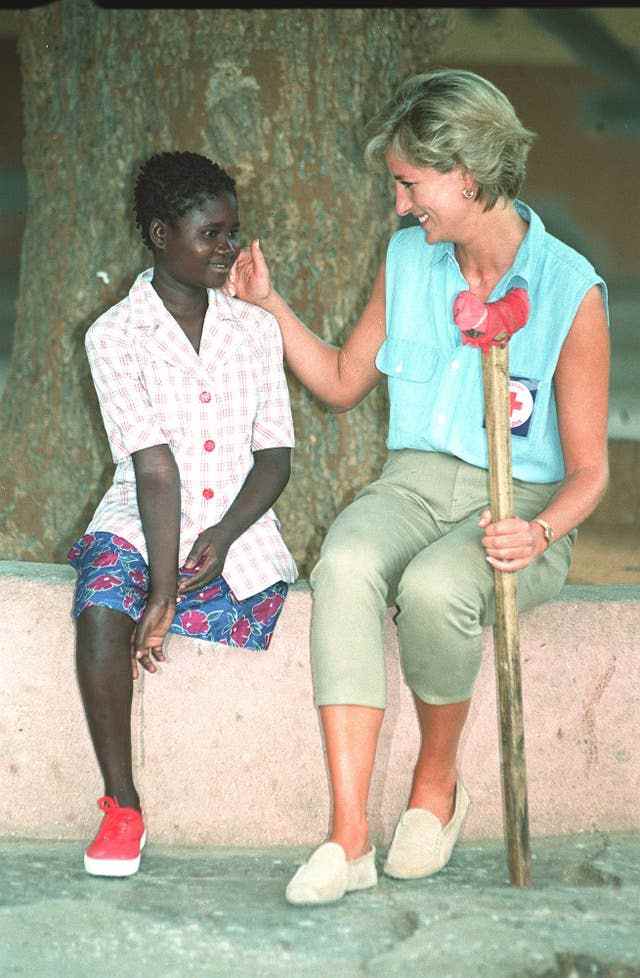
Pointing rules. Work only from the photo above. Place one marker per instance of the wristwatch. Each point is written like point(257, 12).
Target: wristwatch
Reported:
point(547, 528)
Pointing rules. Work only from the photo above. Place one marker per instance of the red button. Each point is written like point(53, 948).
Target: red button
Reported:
point(207, 493)
point(205, 397)
point(209, 445)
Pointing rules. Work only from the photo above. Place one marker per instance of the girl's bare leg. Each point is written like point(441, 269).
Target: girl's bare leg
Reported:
point(103, 662)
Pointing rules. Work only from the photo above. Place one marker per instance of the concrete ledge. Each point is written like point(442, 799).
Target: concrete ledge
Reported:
point(228, 747)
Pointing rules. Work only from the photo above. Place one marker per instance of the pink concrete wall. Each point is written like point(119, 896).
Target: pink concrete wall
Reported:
point(228, 746)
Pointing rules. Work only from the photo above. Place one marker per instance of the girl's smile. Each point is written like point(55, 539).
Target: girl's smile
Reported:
point(200, 248)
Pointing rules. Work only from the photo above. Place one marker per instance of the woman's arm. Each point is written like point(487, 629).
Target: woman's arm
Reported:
point(158, 491)
point(261, 488)
point(582, 398)
point(581, 389)
point(340, 377)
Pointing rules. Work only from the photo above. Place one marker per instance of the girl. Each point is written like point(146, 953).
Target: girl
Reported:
point(195, 404)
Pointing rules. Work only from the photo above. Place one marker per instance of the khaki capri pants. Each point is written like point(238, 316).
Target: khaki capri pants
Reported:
point(412, 539)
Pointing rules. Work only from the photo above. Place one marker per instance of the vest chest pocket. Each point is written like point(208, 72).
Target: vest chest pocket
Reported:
point(406, 360)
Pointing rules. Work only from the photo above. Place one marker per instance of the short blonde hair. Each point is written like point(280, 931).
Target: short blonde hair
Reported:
point(449, 118)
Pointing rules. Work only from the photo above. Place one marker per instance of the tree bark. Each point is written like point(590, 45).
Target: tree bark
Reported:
point(280, 99)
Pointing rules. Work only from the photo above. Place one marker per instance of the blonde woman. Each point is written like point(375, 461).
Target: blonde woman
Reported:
point(421, 537)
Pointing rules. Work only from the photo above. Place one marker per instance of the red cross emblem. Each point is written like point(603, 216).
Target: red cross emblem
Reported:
point(520, 403)
point(514, 403)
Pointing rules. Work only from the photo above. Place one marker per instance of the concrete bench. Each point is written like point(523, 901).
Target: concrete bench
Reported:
point(228, 748)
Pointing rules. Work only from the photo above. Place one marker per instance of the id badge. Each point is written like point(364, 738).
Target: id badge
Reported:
point(522, 399)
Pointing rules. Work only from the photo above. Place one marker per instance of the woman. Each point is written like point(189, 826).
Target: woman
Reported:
point(196, 408)
point(421, 536)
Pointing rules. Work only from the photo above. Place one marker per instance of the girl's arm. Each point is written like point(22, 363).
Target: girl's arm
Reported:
point(158, 492)
point(261, 488)
point(340, 377)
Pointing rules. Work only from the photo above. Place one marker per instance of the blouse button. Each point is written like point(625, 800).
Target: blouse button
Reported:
point(209, 445)
point(205, 397)
point(207, 493)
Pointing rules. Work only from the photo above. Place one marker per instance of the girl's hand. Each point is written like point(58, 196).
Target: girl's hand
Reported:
point(150, 633)
point(249, 277)
point(511, 544)
point(205, 561)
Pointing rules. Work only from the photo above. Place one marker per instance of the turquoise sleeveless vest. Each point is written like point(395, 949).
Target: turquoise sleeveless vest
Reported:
point(435, 383)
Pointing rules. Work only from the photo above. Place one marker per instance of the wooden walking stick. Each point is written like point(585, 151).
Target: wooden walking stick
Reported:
point(490, 330)
point(506, 638)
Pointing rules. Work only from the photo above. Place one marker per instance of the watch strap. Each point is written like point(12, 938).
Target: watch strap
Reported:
point(547, 528)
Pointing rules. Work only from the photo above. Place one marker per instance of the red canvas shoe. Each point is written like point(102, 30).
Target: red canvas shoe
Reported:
point(115, 851)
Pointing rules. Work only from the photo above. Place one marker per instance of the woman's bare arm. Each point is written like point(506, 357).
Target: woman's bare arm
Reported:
point(581, 389)
point(582, 392)
point(340, 377)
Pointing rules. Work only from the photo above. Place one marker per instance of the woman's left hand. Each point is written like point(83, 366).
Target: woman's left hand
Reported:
point(511, 544)
point(205, 561)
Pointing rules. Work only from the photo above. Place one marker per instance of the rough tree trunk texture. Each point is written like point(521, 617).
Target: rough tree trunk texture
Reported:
point(280, 99)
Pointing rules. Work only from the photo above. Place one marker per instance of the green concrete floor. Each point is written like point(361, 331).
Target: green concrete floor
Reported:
point(220, 913)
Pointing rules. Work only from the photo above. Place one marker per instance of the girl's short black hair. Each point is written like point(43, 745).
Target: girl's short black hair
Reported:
point(170, 184)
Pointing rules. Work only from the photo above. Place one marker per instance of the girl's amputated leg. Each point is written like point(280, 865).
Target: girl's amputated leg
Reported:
point(351, 737)
point(103, 661)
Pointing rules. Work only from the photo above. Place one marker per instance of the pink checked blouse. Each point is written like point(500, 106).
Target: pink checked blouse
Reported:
point(213, 408)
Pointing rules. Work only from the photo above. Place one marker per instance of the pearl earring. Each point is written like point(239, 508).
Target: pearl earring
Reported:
point(468, 194)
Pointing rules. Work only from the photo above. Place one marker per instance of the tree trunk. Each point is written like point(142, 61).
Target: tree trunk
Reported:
point(279, 98)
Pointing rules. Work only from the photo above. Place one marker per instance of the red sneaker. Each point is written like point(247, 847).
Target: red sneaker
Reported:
point(115, 851)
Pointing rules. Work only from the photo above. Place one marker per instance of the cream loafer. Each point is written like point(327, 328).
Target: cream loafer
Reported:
point(421, 844)
point(328, 875)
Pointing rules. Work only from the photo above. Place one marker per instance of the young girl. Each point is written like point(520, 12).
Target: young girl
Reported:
point(196, 408)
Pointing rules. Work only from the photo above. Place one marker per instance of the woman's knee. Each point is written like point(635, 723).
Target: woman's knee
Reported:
point(442, 676)
point(437, 599)
point(440, 635)
point(348, 560)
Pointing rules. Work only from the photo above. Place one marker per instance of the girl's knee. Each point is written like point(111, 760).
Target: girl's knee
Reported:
point(101, 629)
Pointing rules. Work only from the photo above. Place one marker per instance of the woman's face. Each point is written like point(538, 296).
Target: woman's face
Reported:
point(200, 248)
point(434, 198)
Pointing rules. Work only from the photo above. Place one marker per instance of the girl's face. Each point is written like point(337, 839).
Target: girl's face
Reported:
point(200, 248)
point(434, 198)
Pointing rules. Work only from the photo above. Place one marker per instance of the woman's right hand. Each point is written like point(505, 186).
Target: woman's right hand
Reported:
point(249, 277)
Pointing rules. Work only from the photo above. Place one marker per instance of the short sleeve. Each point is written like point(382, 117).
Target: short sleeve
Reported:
point(128, 415)
point(273, 423)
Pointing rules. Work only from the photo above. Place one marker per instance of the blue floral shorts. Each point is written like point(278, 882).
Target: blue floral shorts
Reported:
point(112, 573)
